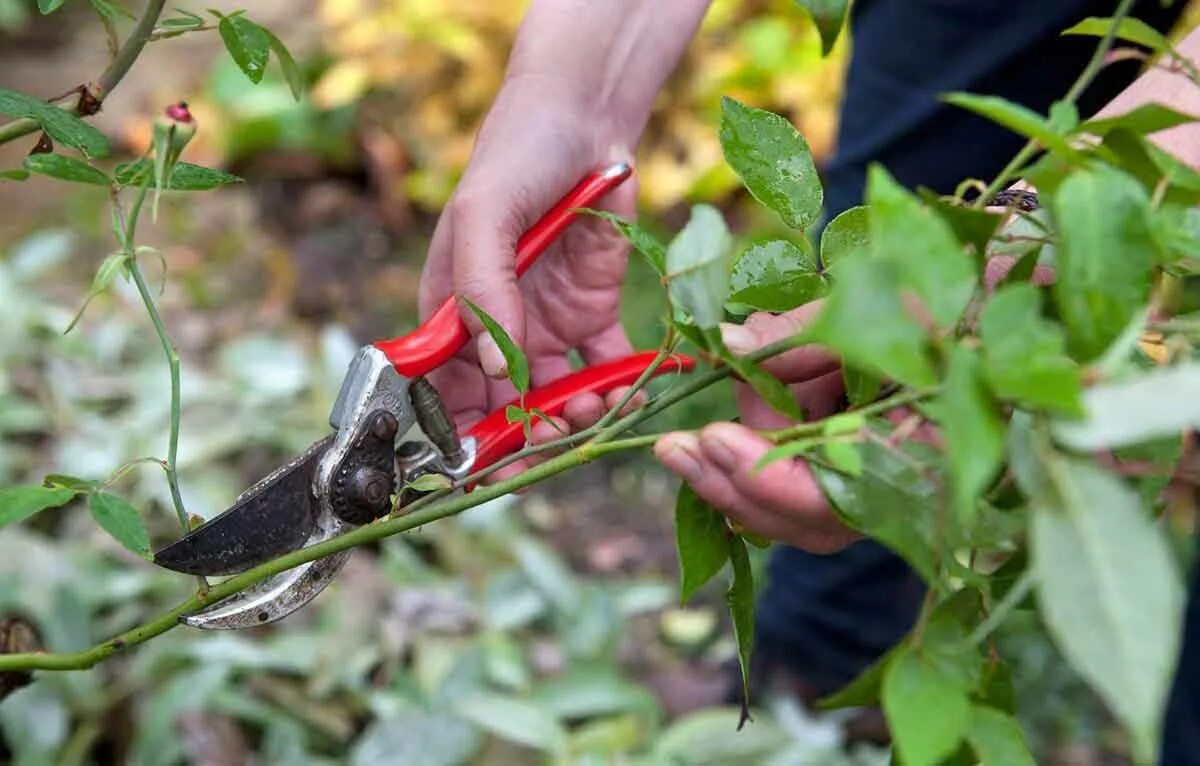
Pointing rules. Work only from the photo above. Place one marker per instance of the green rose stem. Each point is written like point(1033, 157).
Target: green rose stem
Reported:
point(127, 232)
point(426, 510)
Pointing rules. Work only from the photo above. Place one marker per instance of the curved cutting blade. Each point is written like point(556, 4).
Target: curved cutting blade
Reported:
point(277, 596)
point(273, 517)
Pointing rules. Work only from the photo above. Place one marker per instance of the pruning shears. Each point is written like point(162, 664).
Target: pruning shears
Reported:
point(390, 427)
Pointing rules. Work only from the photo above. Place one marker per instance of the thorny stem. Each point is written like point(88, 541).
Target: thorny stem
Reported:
point(1085, 79)
point(359, 536)
point(110, 77)
point(127, 239)
point(429, 509)
point(638, 384)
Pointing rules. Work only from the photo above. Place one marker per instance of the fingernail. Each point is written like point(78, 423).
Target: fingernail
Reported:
point(718, 450)
point(738, 339)
point(490, 358)
point(680, 453)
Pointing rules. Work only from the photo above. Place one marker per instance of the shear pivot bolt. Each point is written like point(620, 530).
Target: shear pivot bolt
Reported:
point(370, 488)
point(384, 426)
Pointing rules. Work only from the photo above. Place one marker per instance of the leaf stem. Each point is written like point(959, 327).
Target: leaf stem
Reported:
point(110, 77)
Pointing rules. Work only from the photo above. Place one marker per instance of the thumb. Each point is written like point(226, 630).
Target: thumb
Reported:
point(483, 242)
point(762, 329)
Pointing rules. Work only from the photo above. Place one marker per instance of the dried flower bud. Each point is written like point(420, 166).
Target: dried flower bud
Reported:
point(17, 636)
point(178, 112)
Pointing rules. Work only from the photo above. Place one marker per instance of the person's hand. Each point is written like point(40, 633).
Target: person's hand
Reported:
point(535, 146)
point(782, 501)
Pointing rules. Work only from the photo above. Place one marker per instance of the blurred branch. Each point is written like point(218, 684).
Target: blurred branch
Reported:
point(109, 78)
point(1081, 84)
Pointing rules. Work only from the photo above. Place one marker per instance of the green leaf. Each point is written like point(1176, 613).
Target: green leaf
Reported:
point(1109, 592)
point(1153, 167)
point(66, 481)
point(1064, 117)
point(105, 275)
point(1017, 118)
point(927, 707)
point(184, 177)
point(515, 414)
point(997, 739)
point(1105, 256)
point(844, 456)
point(866, 322)
point(768, 387)
point(973, 431)
point(66, 168)
point(1130, 30)
point(974, 228)
point(864, 689)
point(185, 20)
point(829, 16)
point(1161, 402)
point(59, 124)
point(112, 11)
point(697, 271)
point(49, 6)
point(1024, 355)
point(894, 500)
point(16, 174)
point(943, 630)
point(122, 521)
point(740, 598)
point(645, 243)
point(849, 232)
point(430, 482)
point(702, 540)
point(927, 256)
point(775, 276)
point(1143, 119)
point(248, 44)
point(996, 690)
point(291, 72)
point(514, 719)
point(514, 357)
point(862, 387)
point(21, 502)
point(773, 160)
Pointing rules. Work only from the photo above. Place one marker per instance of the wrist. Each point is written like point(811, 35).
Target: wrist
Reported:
point(607, 61)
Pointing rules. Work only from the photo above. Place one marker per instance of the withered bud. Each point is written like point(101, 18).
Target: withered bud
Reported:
point(17, 636)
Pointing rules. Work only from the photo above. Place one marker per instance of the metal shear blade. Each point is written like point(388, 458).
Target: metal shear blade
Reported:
point(274, 516)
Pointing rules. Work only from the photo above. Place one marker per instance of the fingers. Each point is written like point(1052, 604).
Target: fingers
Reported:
point(762, 328)
point(998, 266)
point(781, 501)
point(482, 243)
point(606, 345)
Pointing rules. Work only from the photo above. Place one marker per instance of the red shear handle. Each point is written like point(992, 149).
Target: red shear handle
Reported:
point(496, 437)
point(443, 333)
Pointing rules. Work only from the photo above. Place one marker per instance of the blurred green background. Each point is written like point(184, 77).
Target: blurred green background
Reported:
point(542, 628)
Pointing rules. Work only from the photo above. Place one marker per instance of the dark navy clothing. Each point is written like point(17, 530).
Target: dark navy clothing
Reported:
point(828, 617)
